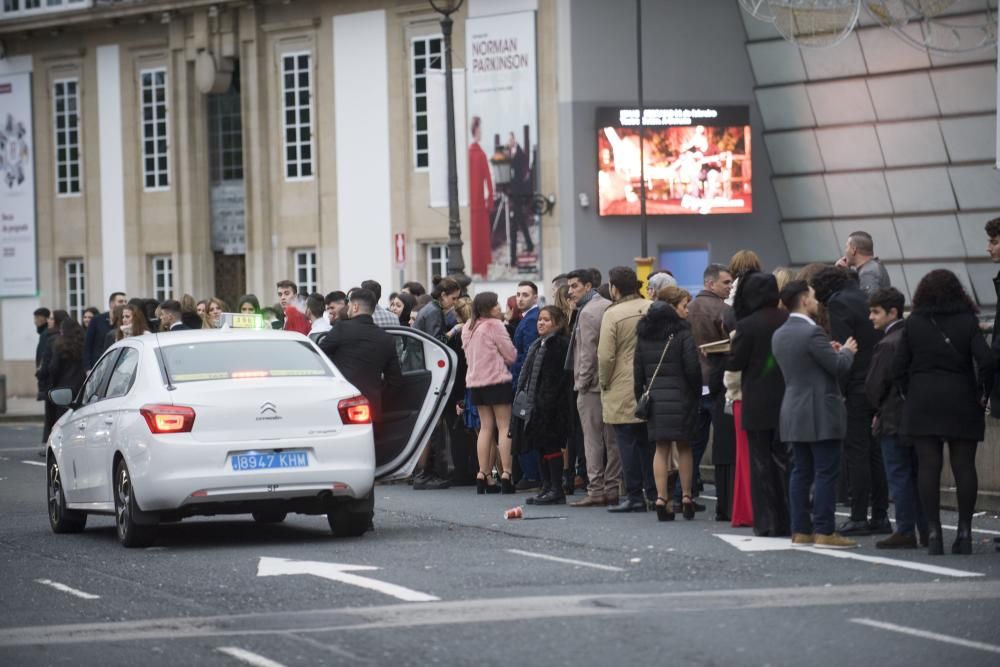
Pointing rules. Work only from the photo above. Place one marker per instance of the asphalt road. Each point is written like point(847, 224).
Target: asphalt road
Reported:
point(627, 590)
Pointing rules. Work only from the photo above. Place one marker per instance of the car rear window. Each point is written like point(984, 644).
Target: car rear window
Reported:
point(243, 359)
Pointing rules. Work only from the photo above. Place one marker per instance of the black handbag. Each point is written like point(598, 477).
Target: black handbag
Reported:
point(642, 406)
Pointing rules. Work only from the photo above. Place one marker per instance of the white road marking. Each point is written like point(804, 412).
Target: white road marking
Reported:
point(66, 589)
point(924, 634)
point(753, 543)
point(34, 463)
point(984, 531)
point(272, 567)
point(248, 657)
point(568, 561)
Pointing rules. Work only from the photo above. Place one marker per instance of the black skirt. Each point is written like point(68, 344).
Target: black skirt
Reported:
point(494, 394)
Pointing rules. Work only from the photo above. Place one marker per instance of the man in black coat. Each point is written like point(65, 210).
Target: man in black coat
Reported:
point(363, 351)
point(886, 313)
point(97, 333)
point(847, 310)
point(42, 327)
point(993, 248)
point(763, 387)
point(171, 317)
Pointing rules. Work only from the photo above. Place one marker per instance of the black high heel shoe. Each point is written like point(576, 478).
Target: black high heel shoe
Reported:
point(480, 485)
point(688, 506)
point(663, 512)
point(963, 540)
point(505, 485)
point(935, 544)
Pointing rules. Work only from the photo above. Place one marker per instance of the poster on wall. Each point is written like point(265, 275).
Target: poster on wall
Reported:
point(696, 159)
point(502, 142)
point(18, 264)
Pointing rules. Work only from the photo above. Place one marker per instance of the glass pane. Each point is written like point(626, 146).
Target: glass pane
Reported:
point(304, 61)
point(307, 169)
point(419, 47)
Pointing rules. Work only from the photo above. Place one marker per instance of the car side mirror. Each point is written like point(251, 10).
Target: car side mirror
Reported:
point(63, 396)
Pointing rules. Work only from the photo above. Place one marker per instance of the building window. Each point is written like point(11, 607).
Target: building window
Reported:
point(305, 270)
point(225, 137)
point(425, 54)
point(66, 118)
point(437, 261)
point(297, 104)
point(155, 164)
point(76, 288)
point(163, 277)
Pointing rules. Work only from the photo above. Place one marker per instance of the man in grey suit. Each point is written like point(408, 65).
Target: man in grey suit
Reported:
point(813, 416)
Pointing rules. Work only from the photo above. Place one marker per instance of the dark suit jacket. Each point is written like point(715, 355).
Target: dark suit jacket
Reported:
point(366, 355)
point(763, 384)
point(847, 311)
point(883, 393)
point(179, 326)
point(813, 407)
point(94, 343)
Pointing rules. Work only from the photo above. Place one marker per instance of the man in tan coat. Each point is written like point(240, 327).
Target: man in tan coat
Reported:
point(603, 466)
point(615, 352)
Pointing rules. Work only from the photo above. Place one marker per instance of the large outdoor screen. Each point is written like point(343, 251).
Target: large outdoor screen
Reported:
point(697, 160)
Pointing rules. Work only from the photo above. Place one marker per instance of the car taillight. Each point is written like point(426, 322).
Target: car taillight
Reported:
point(355, 410)
point(168, 418)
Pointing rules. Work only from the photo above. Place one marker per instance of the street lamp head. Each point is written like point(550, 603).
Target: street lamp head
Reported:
point(446, 7)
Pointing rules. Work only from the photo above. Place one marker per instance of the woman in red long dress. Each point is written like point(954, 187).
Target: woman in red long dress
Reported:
point(480, 201)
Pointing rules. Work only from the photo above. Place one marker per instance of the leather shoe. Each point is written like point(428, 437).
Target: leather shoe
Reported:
point(854, 528)
point(880, 526)
point(588, 501)
point(610, 501)
point(898, 541)
point(628, 505)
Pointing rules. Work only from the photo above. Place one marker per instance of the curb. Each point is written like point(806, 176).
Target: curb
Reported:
point(22, 419)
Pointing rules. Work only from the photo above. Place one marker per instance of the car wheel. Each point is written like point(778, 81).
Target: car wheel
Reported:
point(130, 534)
point(61, 520)
point(269, 516)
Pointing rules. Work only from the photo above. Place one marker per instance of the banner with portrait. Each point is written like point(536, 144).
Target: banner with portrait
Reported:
point(18, 259)
point(502, 142)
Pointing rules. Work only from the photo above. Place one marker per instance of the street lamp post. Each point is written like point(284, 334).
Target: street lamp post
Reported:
point(456, 265)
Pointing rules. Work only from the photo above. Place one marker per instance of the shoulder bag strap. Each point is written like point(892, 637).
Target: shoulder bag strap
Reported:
point(649, 385)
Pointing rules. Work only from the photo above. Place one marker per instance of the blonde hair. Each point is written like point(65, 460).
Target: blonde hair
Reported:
point(463, 309)
point(783, 275)
point(744, 262)
point(562, 301)
point(673, 295)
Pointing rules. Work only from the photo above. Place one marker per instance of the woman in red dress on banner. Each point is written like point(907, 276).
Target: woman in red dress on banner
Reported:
point(480, 201)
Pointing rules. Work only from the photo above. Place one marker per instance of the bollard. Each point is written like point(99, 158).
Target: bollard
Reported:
point(3, 394)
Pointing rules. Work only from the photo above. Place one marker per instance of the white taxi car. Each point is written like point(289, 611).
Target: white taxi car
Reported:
point(235, 421)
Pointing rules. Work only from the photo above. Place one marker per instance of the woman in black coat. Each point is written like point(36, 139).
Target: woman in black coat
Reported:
point(673, 396)
point(65, 368)
point(545, 387)
point(936, 367)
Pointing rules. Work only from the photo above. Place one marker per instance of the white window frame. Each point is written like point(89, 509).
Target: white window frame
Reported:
point(44, 7)
point(76, 295)
point(411, 59)
point(297, 126)
point(157, 172)
point(441, 262)
point(306, 260)
point(162, 266)
point(61, 137)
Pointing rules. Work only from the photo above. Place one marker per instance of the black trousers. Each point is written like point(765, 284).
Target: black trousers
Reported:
point(769, 472)
point(930, 459)
point(865, 470)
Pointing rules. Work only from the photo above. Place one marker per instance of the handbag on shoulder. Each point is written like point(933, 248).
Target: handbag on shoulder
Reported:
point(642, 406)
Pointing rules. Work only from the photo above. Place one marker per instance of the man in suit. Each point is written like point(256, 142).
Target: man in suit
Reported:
point(603, 466)
point(363, 352)
point(763, 388)
point(847, 310)
point(813, 418)
point(886, 313)
point(170, 317)
point(97, 333)
point(526, 334)
point(520, 190)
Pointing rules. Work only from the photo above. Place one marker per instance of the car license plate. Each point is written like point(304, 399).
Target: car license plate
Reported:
point(267, 460)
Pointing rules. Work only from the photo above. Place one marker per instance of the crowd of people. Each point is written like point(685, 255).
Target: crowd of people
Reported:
point(811, 386)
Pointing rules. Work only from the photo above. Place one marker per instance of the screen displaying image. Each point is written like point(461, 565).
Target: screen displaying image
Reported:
point(697, 160)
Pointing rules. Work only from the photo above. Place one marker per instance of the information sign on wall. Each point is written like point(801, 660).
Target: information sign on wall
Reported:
point(18, 258)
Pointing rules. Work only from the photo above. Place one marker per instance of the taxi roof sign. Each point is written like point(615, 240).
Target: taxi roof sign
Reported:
point(243, 321)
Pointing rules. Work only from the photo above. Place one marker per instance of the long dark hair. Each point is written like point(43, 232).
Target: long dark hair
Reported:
point(69, 345)
point(408, 301)
point(558, 318)
point(482, 304)
point(444, 286)
point(940, 292)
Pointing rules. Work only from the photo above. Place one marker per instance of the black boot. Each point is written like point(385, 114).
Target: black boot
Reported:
point(546, 483)
point(555, 495)
point(963, 540)
point(567, 481)
point(935, 544)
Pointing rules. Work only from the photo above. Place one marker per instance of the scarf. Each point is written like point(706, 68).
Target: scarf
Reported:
point(584, 300)
point(527, 381)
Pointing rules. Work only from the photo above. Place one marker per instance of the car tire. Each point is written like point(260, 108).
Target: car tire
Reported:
point(130, 533)
point(61, 520)
point(269, 516)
